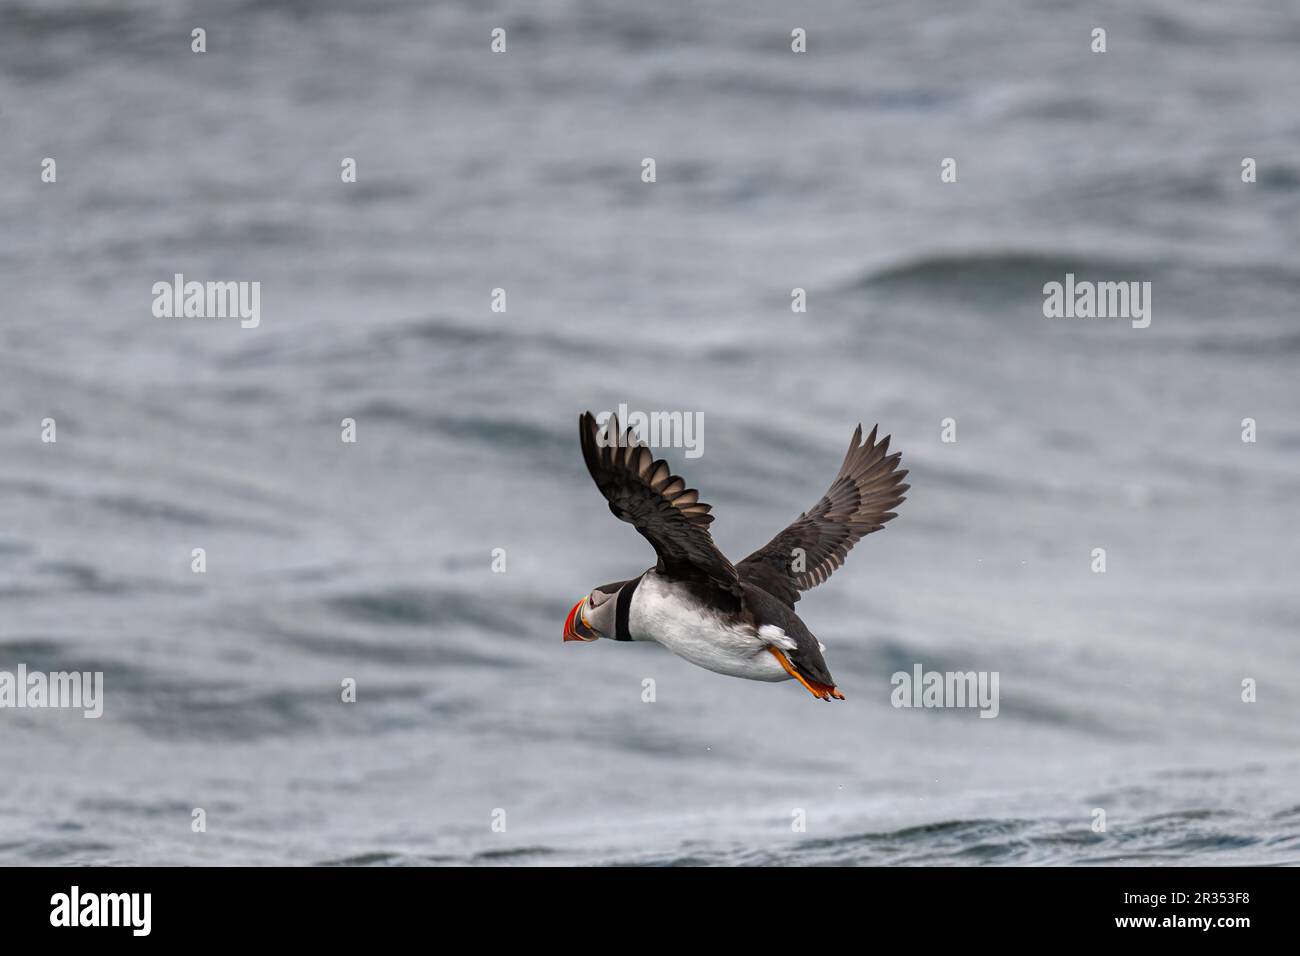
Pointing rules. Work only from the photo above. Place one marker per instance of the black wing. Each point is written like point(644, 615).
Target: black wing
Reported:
point(815, 544)
point(641, 490)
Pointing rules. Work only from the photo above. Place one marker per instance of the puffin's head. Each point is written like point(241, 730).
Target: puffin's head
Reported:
point(594, 616)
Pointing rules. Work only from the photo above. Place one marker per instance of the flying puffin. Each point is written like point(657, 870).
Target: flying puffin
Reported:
point(733, 619)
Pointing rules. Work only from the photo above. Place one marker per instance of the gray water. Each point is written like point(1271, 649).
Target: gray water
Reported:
point(373, 561)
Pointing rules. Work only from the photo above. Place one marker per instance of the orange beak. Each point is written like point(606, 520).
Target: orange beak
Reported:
point(570, 631)
point(576, 627)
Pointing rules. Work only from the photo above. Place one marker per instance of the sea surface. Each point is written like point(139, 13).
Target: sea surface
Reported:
point(477, 735)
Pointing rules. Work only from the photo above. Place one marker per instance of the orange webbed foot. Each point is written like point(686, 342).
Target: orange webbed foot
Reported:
point(818, 690)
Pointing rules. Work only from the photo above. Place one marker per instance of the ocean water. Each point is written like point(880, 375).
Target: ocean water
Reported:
point(373, 561)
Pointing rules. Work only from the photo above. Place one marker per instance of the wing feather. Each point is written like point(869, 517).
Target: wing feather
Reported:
point(859, 501)
point(643, 491)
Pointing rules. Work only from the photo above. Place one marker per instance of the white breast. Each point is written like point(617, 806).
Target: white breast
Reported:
point(665, 612)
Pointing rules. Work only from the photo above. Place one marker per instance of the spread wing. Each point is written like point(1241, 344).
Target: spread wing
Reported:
point(641, 490)
point(815, 544)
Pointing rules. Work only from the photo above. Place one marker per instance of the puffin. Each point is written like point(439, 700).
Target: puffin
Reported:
point(734, 619)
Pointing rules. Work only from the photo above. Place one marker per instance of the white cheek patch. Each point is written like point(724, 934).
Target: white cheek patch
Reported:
point(602, 618)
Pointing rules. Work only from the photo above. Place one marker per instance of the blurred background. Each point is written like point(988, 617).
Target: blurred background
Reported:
point(522, 171)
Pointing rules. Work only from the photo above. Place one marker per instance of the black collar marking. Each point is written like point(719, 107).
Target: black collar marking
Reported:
point(623, 607)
